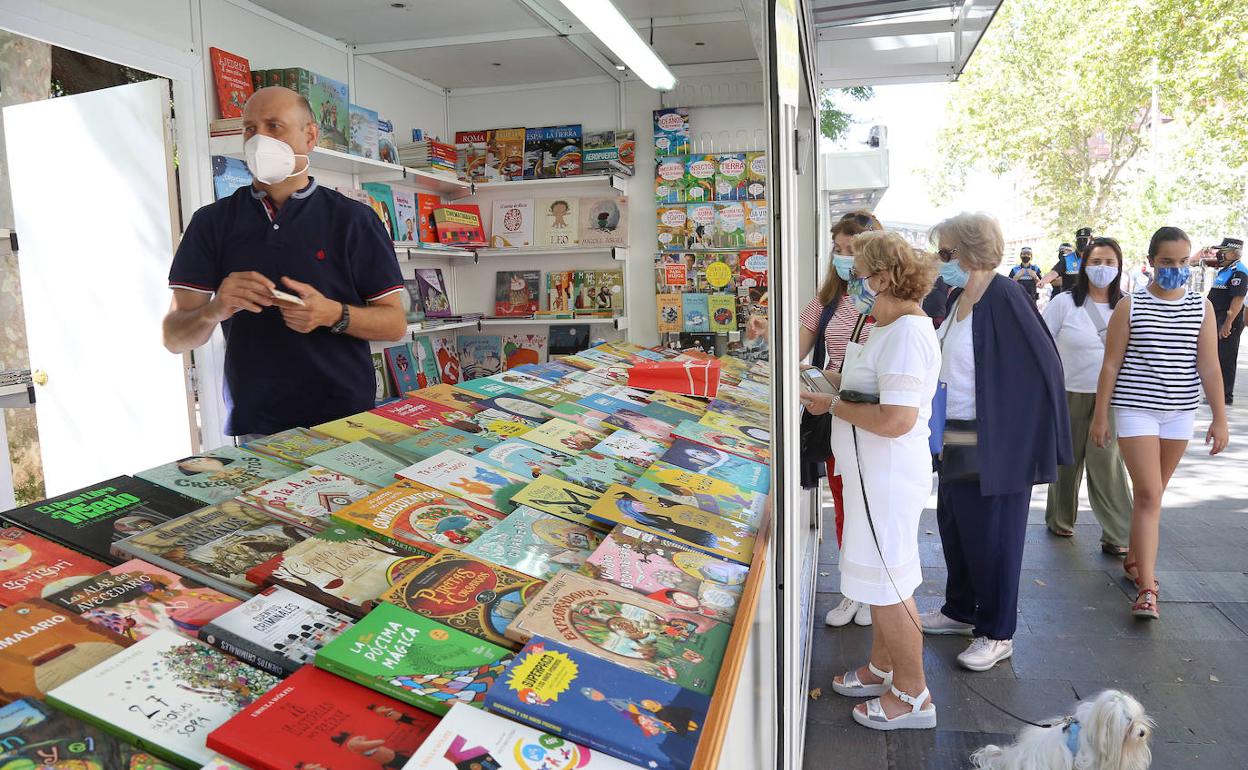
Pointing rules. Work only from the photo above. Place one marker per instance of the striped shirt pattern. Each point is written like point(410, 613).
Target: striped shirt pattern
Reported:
point(1159, 368)
point(839, 330)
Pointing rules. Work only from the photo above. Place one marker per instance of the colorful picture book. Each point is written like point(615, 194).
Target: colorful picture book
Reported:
point(627, 629)
point(536, 543)
point(732, 442)
point(480, 355)
point(632, 447)
point(91, 519)
point(564, 436)
point(383, 203)
point(330, 108)
point(415, 660)
point(668, 572)
point(523, 350)
point(292, 446)
point(516, 292)
point(468, 478)
point(45, 646)
point(596, 472)
point(685, 524)
point(135, 599)
point(459, 225)
point(277, 630)
point(308, 497)
point(33, 737)
point(606, 707)
point(470, 155)
point(366, 425)
point(557, 222)
point(404, 374)
point(467, 593)
point(314, 719)
point(446, 354)
point(430, 442)
point(362, 131)
point(704, 492)
point(32, 567)
point(604, 222)
point(719, 464)
point(553, 151)
point(414, 412)
point(504, 154)
point(433, 293)
point(408, 220)
point(562, 498)
point(339, 567)
point(216, 545)
point(524, 458)
point(228, 175)
point(370, 461)
point(418, 519)
point(449, 395)
point(164, 694)
point(232, 74)
point(216, 475)
point(512, 224)
point(671, 131)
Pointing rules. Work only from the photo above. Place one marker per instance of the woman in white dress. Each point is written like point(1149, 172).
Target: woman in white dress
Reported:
point(882, 451)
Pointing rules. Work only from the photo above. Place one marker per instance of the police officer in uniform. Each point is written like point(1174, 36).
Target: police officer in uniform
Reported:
point(1068, 261)
point(1026, 274)
point(1227, 297)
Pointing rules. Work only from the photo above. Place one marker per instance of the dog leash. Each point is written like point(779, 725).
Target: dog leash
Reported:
point(871, 523)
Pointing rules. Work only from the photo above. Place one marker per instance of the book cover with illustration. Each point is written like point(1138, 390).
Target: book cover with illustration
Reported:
point(524, 458)
point(516, 292)
point(668, 572)
point(557, 222)
point(433, 294)
point(504, 154)
point(470, 156)
point(447, 394)
point(608, 152)
point(757, 224)
point(316, 720)
point(636, 421)
point(330, 107)
point(446, 354)
point(700, 178)
point(35, 737)
point(610, 708)
point(696, 313)
point(32, 567)
point(730, 225)
point(426, 204)
point(705, 492)
point(383, 195)
point(559, 497)
point(596, 472)
point(406, 219)
point(217, 475)
point(523, 349)
point(734, 442)
point(480, 355)
point(404, 374)
point(292, 446)
point(567, 339)
point(551, 396)
point(503, 425)
point(756, 176)
point(730, 177)
point(564, 436)
point(685, 524)
point(604, 403)
point(717, 463)
point(232, 74)
point(473, 480)
point(748, 426)
point(536, 543)
point(387, 148)
point(413, 307)
point(667, 413)
point(366, 425)
point(136, 599)
point(488, 387)
point(467, 593)
point(721, 312)
point(46, 646)
point(604, 222)
point(418, 519)
point(89, 520)
point(308, 497)
point(627, 629)
point(277, 630)
point(165, 694)
point(363, 133)
point(414, 412)
point(511, 226)
point(459, 225)
point(560, 292)
point(669, 180)
point(590, 419)
point(552, 151)
point(216, 545)
point(670, 317)
point(228, 174)
point(604, 293)
point(469, 738)
point(673, 227)
point(517, 379)
point(221, 763)
point(369, 460)
point(428, 443)
point(701, 232)
point(671, 131)
point(415, 660)
point(340, 567)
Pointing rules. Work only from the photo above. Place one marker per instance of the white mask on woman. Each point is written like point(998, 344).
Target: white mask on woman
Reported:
point(1102, 275)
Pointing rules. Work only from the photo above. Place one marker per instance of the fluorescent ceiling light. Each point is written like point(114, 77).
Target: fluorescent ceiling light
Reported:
point(609, 25)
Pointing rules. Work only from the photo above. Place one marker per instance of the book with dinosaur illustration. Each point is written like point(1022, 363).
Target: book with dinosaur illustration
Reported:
point(535, 543)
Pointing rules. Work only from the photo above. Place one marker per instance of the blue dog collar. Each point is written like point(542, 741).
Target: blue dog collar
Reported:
point(1072, 737)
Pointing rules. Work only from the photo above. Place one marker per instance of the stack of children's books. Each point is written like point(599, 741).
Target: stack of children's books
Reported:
point(537, 568)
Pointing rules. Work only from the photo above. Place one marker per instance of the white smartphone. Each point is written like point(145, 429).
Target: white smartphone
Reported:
point(286, 297)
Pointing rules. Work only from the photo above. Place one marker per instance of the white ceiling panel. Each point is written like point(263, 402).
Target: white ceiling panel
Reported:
point(375, 21)
point(718, 43)
point(639, 9)
point(538, 60)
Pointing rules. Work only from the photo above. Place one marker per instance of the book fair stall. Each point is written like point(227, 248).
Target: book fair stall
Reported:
point(570, 532)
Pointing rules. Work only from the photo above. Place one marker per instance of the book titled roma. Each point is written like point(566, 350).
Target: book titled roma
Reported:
point(465, 592)
point(536, 543)
point(216, 545)
point(465, 477)
point(685, 524)
point(419, 519)
point(626, 628)
point(32, 567)
point(308, 497)
point(35, 737)
point(415, 660)
point(609, 708)
point(164, 695)
point(216, 475)
point(44, 646)
point(277, 630)
point(314, 719)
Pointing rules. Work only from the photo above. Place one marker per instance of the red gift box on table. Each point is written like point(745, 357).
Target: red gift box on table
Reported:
point(690, 378)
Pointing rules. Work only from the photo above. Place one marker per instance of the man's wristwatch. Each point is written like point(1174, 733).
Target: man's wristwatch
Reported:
point(343, 322)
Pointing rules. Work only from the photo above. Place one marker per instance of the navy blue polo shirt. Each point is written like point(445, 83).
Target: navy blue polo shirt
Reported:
point(277, 378)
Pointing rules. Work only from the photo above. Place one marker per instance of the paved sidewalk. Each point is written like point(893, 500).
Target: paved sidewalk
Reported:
point(1075, 634)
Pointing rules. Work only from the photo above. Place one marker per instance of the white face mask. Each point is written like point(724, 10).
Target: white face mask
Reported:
point(1101, 275)
point(271, 160)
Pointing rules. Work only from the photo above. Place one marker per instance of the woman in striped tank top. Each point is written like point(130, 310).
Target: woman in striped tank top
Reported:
point(1161, 348)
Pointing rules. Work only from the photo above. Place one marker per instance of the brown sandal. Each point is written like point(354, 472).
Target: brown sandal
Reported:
point(1145, 605)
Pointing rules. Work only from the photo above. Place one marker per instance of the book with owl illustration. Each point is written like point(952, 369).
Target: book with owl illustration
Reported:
point(536, 543)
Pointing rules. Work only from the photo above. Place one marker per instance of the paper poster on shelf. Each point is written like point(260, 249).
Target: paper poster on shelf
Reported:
point(557, 222)
point(512, 224)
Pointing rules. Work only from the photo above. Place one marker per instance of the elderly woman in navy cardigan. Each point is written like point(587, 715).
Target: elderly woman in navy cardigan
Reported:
point(996, 354)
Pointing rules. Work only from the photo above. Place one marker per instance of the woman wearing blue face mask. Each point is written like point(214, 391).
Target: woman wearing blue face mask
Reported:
point(1078, 320)
point(995, 349)
point(1162, 347)
point(833, 316)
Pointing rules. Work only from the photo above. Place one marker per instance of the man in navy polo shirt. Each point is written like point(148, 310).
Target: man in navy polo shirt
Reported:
point(288, 362)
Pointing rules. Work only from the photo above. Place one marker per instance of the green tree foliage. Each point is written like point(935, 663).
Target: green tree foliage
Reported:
point(1060, 93)
point(834, 122)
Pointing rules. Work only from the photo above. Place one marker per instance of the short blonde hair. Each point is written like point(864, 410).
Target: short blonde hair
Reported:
point(911, 273)
point(977, 237)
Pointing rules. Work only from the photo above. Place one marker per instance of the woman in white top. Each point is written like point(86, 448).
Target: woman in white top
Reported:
point(882, 451)
point(1161, 349)
point(1078, 320)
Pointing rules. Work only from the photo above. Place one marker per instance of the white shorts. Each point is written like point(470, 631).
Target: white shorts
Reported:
point(1175, 426)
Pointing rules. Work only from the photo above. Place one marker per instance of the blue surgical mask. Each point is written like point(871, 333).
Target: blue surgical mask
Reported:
point(864, 298)
point(1170, 278)
point(844, 266)
point(953, 274)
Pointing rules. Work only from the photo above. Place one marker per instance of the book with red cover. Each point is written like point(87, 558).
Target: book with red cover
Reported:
point(32, 567)
point(317, 719)
point(459, 225)
point(415, 412)
point(425, 205)
point(234, 86)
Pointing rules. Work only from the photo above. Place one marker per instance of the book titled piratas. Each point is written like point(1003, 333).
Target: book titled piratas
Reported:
point(459, 225)
point(418, 519)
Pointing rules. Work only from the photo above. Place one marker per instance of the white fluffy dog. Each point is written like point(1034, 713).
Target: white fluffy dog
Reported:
point(1110, 732)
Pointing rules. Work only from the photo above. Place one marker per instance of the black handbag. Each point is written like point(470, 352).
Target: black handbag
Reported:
point(959, 454)
point(816, 429)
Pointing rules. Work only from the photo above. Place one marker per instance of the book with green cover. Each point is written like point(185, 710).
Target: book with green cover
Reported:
point(218, 475)
point(535, 543)
point(415, 660)
point(293, 446)
point(368, 460)
point(705, 493)
point(597, 472)
point(430, 442)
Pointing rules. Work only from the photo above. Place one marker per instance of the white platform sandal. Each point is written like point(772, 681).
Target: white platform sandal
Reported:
point(853, 687)
point(916, 719)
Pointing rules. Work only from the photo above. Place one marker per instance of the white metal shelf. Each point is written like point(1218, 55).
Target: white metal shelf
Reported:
point(618, 253)
point(614, 182)
point(413, 330)
point(619, 322)
point(411, 249)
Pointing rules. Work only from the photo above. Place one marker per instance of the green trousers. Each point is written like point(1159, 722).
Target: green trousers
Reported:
point(1108, 491)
